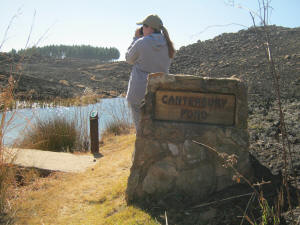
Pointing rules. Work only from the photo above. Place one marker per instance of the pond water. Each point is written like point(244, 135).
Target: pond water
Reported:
point(23, 119)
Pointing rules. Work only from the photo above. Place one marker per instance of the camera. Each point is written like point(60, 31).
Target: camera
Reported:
point(141, 31)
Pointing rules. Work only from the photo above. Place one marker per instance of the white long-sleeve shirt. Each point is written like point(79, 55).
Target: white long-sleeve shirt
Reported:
point(148, 55)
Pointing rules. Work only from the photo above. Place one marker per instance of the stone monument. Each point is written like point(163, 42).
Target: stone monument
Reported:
point(184, 119)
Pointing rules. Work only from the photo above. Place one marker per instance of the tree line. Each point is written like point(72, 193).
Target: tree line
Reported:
point(75, 51)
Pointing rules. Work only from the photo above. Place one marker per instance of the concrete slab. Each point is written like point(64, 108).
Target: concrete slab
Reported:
point(54, 161)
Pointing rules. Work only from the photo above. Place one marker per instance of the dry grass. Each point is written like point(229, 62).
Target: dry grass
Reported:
point(120, 122)
point(7, 174)
point(116, 127)
point(54, 134)
point(6, 171)
point(96, 196)
point(88, 97)
point(85, 99)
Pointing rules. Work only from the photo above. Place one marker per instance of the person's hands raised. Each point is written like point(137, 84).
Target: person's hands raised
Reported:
point(137, 33)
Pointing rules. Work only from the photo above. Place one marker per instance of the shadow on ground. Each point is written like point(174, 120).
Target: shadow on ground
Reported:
point(97, 155)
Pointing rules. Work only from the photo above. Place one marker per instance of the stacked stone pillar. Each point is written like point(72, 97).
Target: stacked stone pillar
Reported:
point(178, 111)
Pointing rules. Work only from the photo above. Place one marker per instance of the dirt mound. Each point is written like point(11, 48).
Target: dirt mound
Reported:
point(241, 55)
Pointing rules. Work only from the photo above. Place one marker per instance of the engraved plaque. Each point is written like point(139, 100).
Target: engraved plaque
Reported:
point(208, 108)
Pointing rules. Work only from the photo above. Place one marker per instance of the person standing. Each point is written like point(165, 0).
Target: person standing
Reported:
point(150, 52)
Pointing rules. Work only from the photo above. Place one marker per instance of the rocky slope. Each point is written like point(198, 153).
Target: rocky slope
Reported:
point(242, 55)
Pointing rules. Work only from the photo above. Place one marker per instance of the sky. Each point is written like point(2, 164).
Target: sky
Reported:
point(111, 23)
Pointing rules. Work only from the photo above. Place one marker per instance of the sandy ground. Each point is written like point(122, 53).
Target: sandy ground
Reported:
point(53, 161)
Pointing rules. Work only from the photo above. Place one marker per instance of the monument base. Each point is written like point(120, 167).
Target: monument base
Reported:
point(193, 138)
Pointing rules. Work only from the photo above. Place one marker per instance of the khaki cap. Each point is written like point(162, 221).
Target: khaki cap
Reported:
point(152, 21)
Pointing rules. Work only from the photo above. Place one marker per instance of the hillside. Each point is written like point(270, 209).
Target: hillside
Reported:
point(241, 55)
point(45, 78)
point(230, 54)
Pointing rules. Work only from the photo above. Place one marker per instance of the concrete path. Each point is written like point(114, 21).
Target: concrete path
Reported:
point(55, 161)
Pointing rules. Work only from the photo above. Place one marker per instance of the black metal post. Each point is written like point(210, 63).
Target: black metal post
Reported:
point(94, 133)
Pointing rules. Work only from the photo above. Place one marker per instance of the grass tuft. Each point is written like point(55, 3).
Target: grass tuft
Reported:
point(120, 122)
point(117, 127)
point(54, 134)
point(6, 181)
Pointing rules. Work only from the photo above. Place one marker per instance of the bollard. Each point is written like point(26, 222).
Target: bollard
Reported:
point(94, 132)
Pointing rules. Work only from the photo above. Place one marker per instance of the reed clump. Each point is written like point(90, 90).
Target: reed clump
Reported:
point(117, 127)
point(55, 133)
point(120, 121)
point(86, 99)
